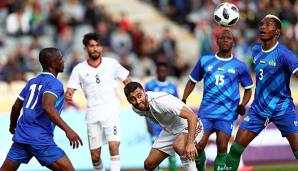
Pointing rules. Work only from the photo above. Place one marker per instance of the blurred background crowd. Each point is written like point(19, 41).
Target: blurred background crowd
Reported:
point(26, 26)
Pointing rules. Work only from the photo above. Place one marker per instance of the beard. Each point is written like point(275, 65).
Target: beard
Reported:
point(94, 55)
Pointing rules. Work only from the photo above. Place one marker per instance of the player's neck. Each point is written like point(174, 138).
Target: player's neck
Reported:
point(222, 54)
point(268, 44)
point(50, 71)
point(94, 63)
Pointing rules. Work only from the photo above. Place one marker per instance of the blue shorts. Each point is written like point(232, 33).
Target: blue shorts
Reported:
point(287, 124)
point(45, 154)
point(216, 124)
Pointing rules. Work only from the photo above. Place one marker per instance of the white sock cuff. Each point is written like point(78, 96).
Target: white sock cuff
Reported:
point(115, 158)
point(189, 165)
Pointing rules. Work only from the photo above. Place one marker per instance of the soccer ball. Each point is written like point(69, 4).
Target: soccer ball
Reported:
point(226, 14)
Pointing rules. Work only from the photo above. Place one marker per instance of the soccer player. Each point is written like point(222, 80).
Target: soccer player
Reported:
point(220, 106)
point(41, 100)
point(180, 126)
point(273, 64)
point(98, 76)
point(161, 84)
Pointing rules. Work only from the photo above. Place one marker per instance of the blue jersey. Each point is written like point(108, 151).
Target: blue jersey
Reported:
point(221, 85)
point(34, 125)
point(273, 69)
point(157, 86)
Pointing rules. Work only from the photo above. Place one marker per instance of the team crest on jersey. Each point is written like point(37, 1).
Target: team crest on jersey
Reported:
point(247, 118)
point(209, 68)
point(232, 71)
point(296, 123)
point(272, 62)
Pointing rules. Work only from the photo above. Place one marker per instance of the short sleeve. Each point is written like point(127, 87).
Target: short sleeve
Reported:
point(120, 72)
point(74, 79)
point(169, 104)
point(55, 88)
point(197, 73)
point(245, 77)
point(290, 61)
point(23, 93)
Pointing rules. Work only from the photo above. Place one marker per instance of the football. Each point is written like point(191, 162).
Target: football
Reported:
point(226, 14)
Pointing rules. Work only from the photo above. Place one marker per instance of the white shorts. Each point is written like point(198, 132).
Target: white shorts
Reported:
point(101, 132)
point(165, 140)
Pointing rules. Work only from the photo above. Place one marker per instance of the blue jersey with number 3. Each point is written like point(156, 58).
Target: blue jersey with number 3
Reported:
point(221, 85)
point(34, 125)
point(273, 69)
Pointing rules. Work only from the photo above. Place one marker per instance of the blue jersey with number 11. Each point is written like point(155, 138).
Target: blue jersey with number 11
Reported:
point(273, 69)
point(34, 125)
point(221, 85)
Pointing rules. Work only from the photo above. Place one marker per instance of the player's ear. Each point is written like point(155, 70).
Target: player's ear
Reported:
point(277, 33)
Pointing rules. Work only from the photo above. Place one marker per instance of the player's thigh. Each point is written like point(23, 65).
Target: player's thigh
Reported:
point(96, 137)
point(111, 129)
point(9, 165)
point(164, 142)
point(61, 164)
point(180, 143)
point(47, 154)
point(287, 123)
point(155, 157)
point(114, 147)
point(19, 153)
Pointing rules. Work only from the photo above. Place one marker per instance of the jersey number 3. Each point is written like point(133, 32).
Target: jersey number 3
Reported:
point(33, 95)
point(219, 79)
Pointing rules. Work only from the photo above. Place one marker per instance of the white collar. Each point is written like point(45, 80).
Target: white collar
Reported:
point(223, 59)
point(271, 49)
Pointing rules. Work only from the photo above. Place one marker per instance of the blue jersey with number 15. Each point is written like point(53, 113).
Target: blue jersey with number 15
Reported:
point(222, 77)
point(34, 125)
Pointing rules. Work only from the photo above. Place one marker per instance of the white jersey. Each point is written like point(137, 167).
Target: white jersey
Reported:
point(99, 85)
point(165, 110)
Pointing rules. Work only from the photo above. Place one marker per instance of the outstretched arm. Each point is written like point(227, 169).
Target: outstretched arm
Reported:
point(15, 114)
point(48, 105)
point(187, 90)
point(192, 119)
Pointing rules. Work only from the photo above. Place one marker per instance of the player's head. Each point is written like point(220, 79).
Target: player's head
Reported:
point(225, 40)
point(136, 96)
point(51, 59)
point(269, 28)
point(92, 45)
point(161, 71)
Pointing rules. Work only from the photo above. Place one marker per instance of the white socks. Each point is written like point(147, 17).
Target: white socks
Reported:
point(189, 165)
point(115, 163)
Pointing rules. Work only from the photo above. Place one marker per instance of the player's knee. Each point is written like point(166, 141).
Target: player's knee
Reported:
point(149, 165)
point(114, 148)
point(222, 147)
point(200, 146)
